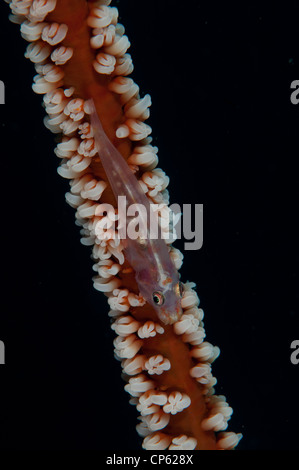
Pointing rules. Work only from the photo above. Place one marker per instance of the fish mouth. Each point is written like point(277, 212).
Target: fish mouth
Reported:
point(169, 317)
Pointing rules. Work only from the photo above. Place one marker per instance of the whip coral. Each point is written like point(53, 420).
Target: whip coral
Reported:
point(79, 51)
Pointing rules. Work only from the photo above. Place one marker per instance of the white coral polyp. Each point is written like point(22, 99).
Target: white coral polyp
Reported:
point(176, 403)
point(127, 347)
point(54, 33)
point(125, 325)
point(134, 366)
point(150, 329)
point(156, 181)
point(138, 129)
point(87, 148)
point(119, 300)
point(40, 9)
point(55, 102)
point(93, 189)
point(102, 36)
point(124, 65)
point(31, 31)
point(103, 229)
point(186, 324)
point(68, 126)
point(68, 144)
point(216, 422)
point(147, 408)
point(205, 352)
point(20, 7)
point(62, 55)
point(218, 404)
point(104, 63)
point(85, 130)
point(152, 397)
point(125, 87)
point(157, 365)
point(50, 72)
point(139, 385)
point(201, 372)
point(156, 421)
point(119, 46)
point(194, 338)
point(75, 109)
point(136, 300)
point(183, 443)
point(100, 17)
point(157, 441)
point(228, 440)
point(144, 156)
point(37, 52)
point(177, 257)
point(107, 268)
point(190, 298)
point(138, 108)
point(42, 86)
point(104, 249)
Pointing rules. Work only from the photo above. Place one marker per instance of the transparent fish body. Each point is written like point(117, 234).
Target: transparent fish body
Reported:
point(156, 275)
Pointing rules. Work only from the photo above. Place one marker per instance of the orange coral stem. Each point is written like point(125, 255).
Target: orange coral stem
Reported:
point(79, 73)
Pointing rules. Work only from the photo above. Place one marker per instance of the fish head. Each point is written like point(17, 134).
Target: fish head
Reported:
point(163, 294)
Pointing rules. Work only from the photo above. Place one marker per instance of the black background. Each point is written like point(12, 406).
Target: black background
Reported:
point(219, 75)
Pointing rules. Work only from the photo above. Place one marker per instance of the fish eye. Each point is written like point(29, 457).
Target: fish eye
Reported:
point(142, 242)
point(179, 289)
point(158, 298)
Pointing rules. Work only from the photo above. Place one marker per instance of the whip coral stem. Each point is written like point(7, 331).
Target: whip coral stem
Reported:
point(80, 52)
point(178, 377)
point(89, 83)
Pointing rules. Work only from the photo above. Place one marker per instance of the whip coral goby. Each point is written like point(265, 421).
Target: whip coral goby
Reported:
point(79, 51)
point(155, 273)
